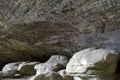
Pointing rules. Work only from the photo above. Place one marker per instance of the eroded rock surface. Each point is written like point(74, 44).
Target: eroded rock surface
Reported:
point(93, 62)
point(55, 63)
point(16, 69)
point(10, 70)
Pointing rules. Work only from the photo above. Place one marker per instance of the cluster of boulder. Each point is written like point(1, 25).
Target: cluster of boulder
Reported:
point(86, 63)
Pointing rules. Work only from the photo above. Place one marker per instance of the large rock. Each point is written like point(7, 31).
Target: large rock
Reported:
point(16, 69)
point(55, 63)
point(42, 68)
point(58, 59)
point(93, 62)
point(10, 70)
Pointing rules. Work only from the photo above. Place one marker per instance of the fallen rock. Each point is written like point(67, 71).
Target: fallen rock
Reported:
point(48, 76)
point(65, 75)
point(27, 68)
point(55, 63)
point(10, 70)
point(91, 62)
point(42, 68)
point(58, 59)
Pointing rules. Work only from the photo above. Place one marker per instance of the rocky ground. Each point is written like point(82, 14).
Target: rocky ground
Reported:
point(23, 78)
point(91, 62)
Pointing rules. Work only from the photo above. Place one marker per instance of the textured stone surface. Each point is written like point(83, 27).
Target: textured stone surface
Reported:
point(93, 62)
point(14, 50)
point(18, 11)
point(56, 27)
point(27, 68)
point(48, 76)
point(16, 69)
point(58, 59)
point(55, 63)
point(10, 69)
point(65, 75)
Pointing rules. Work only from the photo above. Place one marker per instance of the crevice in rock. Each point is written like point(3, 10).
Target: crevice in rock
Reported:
point(118, 67)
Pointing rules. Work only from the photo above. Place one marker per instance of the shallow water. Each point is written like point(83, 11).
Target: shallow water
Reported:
point(20, 78)
point(116, 77)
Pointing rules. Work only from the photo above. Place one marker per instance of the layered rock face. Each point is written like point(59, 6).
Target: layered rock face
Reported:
point(36, 29)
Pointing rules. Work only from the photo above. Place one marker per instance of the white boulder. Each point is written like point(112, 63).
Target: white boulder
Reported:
point(58, 59)
point(10, 70)
point(42, 68)
point(55, 63)
point(90, 62)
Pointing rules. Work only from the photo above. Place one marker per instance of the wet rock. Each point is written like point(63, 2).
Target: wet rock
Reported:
point(92, 62)
point(10, 70)
point(27, 68)
point(48, 76)
point(111, 77)
point(65, 75)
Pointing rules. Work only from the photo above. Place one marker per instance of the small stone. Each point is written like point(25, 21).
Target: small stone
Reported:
point(65, 75)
